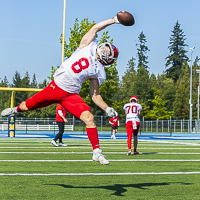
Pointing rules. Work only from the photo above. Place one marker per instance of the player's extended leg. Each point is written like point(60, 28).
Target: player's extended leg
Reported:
point(46, 97)
point(129, 130)
point(59, 135)
point(135, 143)
point(113, 134)
point(92, 133)
point(91, 129)
point(136, 138)
point(10, 111)
point(76, 106)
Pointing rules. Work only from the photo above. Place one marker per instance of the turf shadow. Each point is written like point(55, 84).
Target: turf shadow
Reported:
point(119, 189)
point(149, 153)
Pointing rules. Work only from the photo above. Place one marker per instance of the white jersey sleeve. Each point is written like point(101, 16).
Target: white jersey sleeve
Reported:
point(132, 110)
point(81, 66)
point(60, 113)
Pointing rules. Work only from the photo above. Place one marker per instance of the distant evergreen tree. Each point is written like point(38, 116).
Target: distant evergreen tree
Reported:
point(181, 102)
point(142, 50)
point(142, 88)
point(177, 53)
point(159, 110)
point(34, 82)
point(168, 88)
point(76, 34)
point(4, 95)
point(25, 82)
point(195, 83)
point(16, 80)
point(43, 84)
point(128, 79)
point(17, 83)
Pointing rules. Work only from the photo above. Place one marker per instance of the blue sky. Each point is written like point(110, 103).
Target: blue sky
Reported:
point(30, 31)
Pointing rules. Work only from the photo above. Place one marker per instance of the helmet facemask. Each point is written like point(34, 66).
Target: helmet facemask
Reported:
point(105, 57)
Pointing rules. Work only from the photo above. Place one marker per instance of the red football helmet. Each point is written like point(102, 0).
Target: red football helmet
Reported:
point(134, 97)
point(105, 57)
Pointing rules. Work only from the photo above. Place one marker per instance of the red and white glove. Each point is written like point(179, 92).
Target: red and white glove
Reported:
point(116, 20)
point(110, 112)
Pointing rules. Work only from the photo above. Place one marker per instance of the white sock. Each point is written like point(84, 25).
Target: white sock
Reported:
point(15, 109)
point(96, 150)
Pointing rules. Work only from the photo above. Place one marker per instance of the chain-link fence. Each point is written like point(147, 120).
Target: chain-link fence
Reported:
point(102, 123)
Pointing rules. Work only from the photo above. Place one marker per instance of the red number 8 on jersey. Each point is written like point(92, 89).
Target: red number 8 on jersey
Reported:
point(80, 65)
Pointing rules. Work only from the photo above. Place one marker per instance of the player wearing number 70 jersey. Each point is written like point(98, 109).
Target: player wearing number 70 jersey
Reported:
point(86, 63)
point(132, 111)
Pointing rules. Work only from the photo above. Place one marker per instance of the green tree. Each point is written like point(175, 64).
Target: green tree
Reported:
point(181, 102)
point(168, 88)
point(142, 88)
point(16, 80)
point(127, 83)
point(53, 69)
point(177, 53)
point(43, 84)
point(22, 95)
point(5, 96)
point(33, 82)
point(159, 110)
point(17, 83)
point(142, 50)
point(76, 34)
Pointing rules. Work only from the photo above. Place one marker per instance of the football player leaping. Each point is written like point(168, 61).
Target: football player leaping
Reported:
point(132, 110)
point(86, 63)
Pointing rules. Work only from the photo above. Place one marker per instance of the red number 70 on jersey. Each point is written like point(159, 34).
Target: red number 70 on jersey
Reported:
point(132, 109)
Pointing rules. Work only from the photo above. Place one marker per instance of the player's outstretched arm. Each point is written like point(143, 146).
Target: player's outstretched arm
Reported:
point(94, 93)
point(98, 100)
point(122, 17)
point(91, 34)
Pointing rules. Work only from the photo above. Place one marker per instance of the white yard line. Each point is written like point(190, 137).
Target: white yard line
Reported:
point(98, 174)
point(102, 144)
point(69, 147)
point(124, 152)
point(112, 160)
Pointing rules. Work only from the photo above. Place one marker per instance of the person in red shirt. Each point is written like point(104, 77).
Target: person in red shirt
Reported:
point(114, 121)
point(60, 120)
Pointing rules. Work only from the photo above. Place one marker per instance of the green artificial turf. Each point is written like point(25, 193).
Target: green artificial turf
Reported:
point(30, 176)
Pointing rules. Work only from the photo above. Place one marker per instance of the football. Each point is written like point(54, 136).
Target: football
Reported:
point(125, 18)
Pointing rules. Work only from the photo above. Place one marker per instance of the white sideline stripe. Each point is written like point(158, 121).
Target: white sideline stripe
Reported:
point(102, 144)
point(91, 148)
point(98, 174)
point(109, 141)
point(122, 160)
point(40, 152)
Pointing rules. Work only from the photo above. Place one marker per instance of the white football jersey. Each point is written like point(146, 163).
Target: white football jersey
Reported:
point(81, 66)
point(132, 110)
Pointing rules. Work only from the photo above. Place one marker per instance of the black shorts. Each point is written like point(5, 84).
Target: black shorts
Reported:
point(114, 127)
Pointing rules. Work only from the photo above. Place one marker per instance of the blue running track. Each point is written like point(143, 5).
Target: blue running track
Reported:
point(106, 135)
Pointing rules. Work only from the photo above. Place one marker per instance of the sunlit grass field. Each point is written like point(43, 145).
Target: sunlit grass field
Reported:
point(34, 169)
